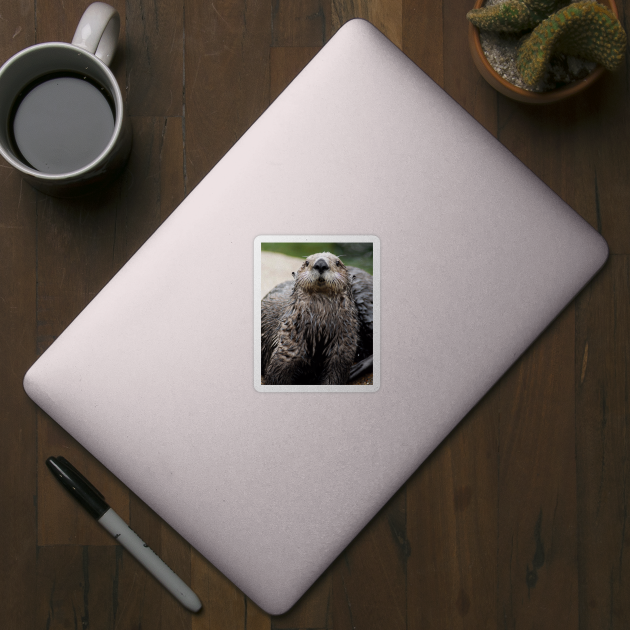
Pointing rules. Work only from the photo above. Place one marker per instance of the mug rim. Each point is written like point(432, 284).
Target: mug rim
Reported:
point(118, 122)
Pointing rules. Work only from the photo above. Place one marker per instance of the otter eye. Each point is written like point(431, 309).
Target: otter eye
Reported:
point(306, 263)
point(338, 263)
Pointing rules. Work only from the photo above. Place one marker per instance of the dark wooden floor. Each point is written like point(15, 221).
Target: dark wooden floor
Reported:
point(518, 520)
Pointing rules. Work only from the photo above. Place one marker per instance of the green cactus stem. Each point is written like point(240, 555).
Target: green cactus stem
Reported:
point(583, 29)
point(513, 16)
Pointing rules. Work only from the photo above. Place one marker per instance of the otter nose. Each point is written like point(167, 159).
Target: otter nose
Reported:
point(321, 265)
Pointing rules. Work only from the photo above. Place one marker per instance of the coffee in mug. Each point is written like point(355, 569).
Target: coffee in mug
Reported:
point(65, 128)
point(61, 122)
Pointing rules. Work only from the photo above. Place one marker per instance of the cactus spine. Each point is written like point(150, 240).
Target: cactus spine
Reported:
point(513, 16)
point(583, 29)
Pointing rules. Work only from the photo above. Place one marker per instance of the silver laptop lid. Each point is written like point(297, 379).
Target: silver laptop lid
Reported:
point(156, 376)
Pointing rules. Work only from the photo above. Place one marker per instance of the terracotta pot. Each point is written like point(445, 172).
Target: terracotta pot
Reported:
point(512, 91)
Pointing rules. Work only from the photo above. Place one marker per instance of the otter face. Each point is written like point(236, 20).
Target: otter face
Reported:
point(323, 273)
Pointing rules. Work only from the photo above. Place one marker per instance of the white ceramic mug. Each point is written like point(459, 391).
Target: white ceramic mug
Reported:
point(87, 58)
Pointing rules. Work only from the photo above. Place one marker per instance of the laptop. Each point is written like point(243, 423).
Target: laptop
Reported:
point(159, 377)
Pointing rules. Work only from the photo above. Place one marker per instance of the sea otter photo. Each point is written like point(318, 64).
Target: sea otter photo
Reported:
point(317, 329)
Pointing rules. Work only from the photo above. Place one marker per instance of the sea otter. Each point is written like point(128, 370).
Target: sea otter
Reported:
point(315, 327)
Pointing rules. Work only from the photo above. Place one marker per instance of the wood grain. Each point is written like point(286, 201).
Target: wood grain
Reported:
point(574, 149)
point(17, 28)
point(226, 78)
point(461, 79)
point(386, 15)
point(422, 36)
point(224, 606)
point(609, 133)
point(313, 610)
point(18, 416)
point(76, 587)
point(369, 577)
point(537, 510)
point(285, 64)
point(559, 148)
point(154, 57)
point(452, 515)
point(300, 22)
point(602, 380)
point(151, 187)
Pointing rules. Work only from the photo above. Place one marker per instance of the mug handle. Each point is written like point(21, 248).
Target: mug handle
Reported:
point(98, 30)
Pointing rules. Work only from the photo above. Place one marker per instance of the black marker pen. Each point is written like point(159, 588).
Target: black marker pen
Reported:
point(94, 502)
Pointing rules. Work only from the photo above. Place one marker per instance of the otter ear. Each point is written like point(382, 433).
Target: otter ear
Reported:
point(354, 276)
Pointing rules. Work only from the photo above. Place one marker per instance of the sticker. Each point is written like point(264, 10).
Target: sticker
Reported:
point(317, 313)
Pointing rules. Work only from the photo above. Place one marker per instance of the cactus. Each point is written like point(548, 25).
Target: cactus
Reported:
point(513, 16)
point(584, 29)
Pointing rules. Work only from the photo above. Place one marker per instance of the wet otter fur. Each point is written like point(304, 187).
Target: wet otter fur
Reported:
point(315, 327)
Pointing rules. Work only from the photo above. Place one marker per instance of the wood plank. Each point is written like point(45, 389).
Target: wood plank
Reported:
point(171, 159)
point(74, 248)
point(537, 537)
point(285, 64)
point(18, 421)
point(224, 606)
point(608, 124)
point(603, 468)
point(575, 147)
point(452, 526)
point(422, 36)
point(386, 15)
point(300, 22)
point(461, 78)
point(154, 57)
point(57, 23)
point(152, 184)
point(608, 128)
point(558, 147)
point(76, 587)
point(255, 618)
point(313, 609)
point(18, 415)
point(226, 78)
point(369, 577)
point(17, 28)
